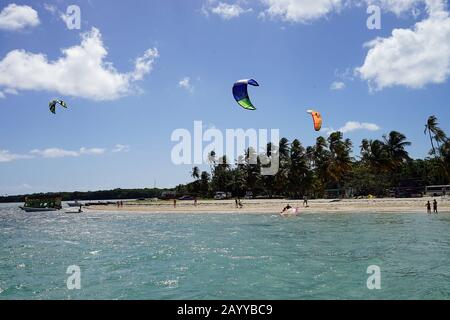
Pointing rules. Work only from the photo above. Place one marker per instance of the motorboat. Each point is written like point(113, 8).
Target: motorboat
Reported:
point(42, 203)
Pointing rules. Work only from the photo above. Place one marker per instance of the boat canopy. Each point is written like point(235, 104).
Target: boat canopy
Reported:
point(53, 202)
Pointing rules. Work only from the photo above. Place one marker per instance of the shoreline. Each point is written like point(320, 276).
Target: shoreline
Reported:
point(264, 206)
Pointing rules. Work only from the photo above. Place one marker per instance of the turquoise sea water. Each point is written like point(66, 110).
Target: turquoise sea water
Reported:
point(219, 256)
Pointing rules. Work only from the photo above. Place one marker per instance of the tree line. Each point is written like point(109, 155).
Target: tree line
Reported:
point(379, 167)
point(332, 166)
point(95, 195)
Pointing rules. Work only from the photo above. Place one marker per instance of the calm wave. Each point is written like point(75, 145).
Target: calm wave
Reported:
point(218, 256)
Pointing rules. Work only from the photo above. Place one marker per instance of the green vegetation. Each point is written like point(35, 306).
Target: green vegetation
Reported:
point(95, 195)
point(331, 168)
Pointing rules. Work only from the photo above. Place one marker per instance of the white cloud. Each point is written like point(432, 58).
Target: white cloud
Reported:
point(397, 6)
point(185, 83)
point(121, 148)
point(80, 72)
point(15, 17)
point(50, 8)
point(228, 11)
point(144, 64)
point(306, 11)
point(337, 85)
point(61, 153)
point(54, 153)
point(353, 126)
point(411, 57)
point(7, 156)
point(8, 91)
point(92, 151)
point(302, 11)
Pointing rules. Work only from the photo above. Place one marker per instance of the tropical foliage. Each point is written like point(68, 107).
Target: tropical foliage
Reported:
point(331, 167)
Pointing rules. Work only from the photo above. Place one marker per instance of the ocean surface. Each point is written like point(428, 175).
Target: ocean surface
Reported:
point(223, 256)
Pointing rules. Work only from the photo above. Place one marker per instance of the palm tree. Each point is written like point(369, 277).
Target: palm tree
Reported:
point(365, 150)
point(299, 173)
point(252, 169)
point(195, 173)
point(321, 158)
point(222, 180)
point(340, 163)
point(204, 183)
point(281, 177)
point(268, 180)
point(374, 155)
point(283, 148)
point(435, 133)
point(251, 157)
point(445, 155)
point(212, 161)
point(395, 144)
point(310, 155)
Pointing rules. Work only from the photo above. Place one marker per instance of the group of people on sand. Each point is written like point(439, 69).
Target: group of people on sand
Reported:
point(119, 204)
point(428, 206)
point(435, 207)
point(175, 202)
point(237, 201)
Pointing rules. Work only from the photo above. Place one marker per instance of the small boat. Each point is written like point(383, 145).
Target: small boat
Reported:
point(73, 211)
point(31, 209)
point(76, 203)
point(42, 204)
point(99, 203)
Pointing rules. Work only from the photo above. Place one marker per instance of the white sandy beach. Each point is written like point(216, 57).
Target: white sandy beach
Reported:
point(388, 205)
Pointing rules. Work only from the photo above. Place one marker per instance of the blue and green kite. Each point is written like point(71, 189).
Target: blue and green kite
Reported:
point(240, 93)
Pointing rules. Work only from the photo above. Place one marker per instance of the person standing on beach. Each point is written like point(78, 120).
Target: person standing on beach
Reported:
point(435, 206)
point(236, 202)
point(195, 201)
point(428, 205)
point(174, 203)
point(305, 201)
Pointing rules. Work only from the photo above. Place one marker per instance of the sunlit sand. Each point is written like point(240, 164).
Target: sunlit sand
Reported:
point(275, 206)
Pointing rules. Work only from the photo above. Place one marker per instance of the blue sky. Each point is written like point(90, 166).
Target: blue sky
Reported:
point(116, 131)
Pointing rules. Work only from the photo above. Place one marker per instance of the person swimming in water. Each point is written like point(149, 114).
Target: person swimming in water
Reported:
point(286, 208)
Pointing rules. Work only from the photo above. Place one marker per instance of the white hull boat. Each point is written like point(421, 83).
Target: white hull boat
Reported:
point(30, 209)
point(74, 204)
